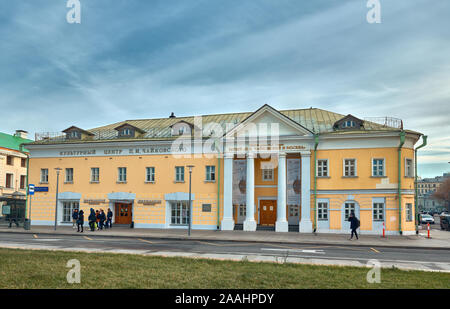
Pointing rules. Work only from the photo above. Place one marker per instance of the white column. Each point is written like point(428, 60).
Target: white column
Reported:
point(250, 223)
point(305, 221)
point(281, 225)
point(227, 220)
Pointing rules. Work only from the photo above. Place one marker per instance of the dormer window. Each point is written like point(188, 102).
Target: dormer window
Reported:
point(348, 122)
point(74, 133)
point(181, 128)
point(129, 131)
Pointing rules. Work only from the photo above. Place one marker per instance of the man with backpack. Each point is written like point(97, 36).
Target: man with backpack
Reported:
point(354, 224)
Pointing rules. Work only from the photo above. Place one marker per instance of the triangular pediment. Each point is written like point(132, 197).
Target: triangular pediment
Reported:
point(273, 120)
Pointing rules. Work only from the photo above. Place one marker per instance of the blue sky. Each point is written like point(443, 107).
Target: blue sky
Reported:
point(131, 59)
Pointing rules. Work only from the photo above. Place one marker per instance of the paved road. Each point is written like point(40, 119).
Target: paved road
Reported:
point(424, 259)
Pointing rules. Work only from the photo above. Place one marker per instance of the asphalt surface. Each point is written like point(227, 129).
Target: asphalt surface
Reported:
point(413, 258)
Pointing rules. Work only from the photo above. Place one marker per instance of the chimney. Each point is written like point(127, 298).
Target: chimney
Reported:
point(21, 134)
point(172, 115)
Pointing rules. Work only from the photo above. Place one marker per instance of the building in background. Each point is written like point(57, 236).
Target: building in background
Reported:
point(13, 171)
point(426, 187)
point(299, 170)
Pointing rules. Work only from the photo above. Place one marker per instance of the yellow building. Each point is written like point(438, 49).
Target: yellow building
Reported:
point(318, 165)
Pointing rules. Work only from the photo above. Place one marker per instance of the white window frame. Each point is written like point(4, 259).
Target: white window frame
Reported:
point(122, 174)
point(409, 212)
point(11, 185)
point(356, 167)
point(210, 173)
point(179, 173)
point(321, 168)
point(384, 167)
point(95, 176)
point(69, 175)
point(150, 174)
point(267, 174)
point(347, 214)
point(67, 211)
point(376, 211)
point(44, 175)
point(406, 167)
point(322, 211)
point(179, 213)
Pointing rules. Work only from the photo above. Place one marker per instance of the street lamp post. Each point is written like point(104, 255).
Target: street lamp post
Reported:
point(190, 200)
point(56, 202)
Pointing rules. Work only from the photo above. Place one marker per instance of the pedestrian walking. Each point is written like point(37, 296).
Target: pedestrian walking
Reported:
point(80, 221)
point(354, 224)
point(92, 220)
point(102, 218)
point(97, 219)
point(109, 216)
point(74, 217)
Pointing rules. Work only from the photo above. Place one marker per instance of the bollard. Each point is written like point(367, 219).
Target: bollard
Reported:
point(428, 227)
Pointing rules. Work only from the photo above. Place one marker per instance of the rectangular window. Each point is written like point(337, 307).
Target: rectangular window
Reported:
point(409, 212)
point(349, 208)
point(9, 180)
point(95, 174)
point(69, 174)
point(22, 181)
point(210, 173)
point(44, 175)
point(9, 160)
point(409, 168)
point(68, 208)
point(378, 167)
point(122, 174)
point(267, 174)
point(349, 167)
point(23, 162)
point(322, 168)
point(150, 174)
point(378, 211)
point(179, 173)
point(206, 208)
point(322, 211)
point(179, 213)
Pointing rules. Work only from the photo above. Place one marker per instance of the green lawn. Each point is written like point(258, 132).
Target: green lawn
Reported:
point(47, 269)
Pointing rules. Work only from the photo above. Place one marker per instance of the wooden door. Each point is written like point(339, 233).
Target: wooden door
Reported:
point(268, 212)
point(123, 213)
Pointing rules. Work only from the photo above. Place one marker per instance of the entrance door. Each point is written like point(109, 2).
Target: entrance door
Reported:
point(267, 212)
point(293, 214)
point(240, 212)
point(123, 213)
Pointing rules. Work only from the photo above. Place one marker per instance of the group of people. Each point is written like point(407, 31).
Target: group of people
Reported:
point(97, 219)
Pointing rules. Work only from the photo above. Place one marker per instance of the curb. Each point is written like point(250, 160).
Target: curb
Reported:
point(237, 240)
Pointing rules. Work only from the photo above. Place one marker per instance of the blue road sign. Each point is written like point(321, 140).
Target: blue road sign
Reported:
point(31, 189)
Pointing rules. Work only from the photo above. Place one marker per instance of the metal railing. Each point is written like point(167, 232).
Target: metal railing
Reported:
point(388, 122)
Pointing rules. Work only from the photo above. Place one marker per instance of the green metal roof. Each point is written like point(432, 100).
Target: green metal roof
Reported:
point(12, 142)
point(314, 119)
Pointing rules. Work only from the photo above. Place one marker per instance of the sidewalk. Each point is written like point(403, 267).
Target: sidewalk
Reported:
point(439, 240)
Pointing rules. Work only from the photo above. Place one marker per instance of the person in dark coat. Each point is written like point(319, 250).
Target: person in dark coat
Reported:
point(102, 219)
point(92, 219)
point(80, 221)
point(109, 216)
point(74, 217)
point(354, 224)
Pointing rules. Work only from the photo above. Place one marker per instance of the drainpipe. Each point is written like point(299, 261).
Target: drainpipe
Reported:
point(402, 141)
point(316, 143)
point(25, 226)
point(218, 185)
point(424, 143)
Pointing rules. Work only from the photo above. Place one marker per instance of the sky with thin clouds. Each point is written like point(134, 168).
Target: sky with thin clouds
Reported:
point(134, 59)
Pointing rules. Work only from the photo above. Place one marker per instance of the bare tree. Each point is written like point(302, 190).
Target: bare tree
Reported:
point(443, 193)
